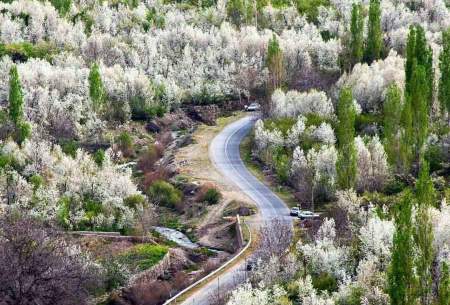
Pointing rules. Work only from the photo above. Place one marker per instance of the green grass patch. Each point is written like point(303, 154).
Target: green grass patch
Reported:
point(143, 256)
point(24, 50)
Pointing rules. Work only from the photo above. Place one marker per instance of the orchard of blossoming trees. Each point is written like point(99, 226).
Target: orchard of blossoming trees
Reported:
point(355, 100)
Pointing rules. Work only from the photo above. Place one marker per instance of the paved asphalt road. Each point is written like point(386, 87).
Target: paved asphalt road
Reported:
point(224, 153)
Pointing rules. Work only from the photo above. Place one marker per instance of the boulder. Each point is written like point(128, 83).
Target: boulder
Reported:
point(206, 114)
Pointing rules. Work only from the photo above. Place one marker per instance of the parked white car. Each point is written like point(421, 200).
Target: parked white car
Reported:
point(253, 107)
point(307, 215)
point(295, 211)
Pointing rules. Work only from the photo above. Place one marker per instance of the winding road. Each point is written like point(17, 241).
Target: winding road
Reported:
point(224, 152)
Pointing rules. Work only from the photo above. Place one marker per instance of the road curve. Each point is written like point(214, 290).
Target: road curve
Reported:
point(224, 152)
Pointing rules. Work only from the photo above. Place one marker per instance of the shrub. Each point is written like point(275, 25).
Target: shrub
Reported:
point(281, 164)
point(435, 157)
point(209, 193)
point(125, 143)
point(309, 8)
point(365, 119)
point(24, 50)
point(164, 193)
point(69, 147)
point(149, 157)
point(394, 186)
point(36, 181)
point(62, 6)
point(212, 196)
point(144, 256)
point(23, 132)
point(134, 201)
point(115, 274)
point(99, 157)
point(325, 281)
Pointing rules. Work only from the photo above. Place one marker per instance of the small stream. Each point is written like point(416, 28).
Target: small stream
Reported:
point(177, 237)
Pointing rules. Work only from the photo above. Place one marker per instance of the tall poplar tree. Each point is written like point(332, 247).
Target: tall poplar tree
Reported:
point(346, 163)
point(96, 89)
point(401, 278)
point(418, 94)
point(22, 129)
point(444, 66)
point(410, 58)
point(444, 286)
point(423, 236)
point(407, 137)
point(424, 56)
point(15, 96)
point(374, 34)
point(274, 62)
point(419, 106)
point(357, 37)
point(392, 110)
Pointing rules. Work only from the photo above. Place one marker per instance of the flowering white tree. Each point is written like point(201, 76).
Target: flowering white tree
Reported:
point(323, 255)
point(373, 168)
point(294, 103)
point(248, 295)
point(369, 83)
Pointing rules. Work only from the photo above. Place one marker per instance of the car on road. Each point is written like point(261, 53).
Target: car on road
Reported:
point(251, 265)
point(253, 107)
point(307, 215)
point(294, 211)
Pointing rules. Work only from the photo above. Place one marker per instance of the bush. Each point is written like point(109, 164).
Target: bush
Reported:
point(365, 119)
point(99, 157)
point(69, 147)
point(209, 193)
point(24, 50)
point(125, 143)
point(115, 274)
point(309, 8)
point(394, 186)
point(281, 164)
point(212, 196)
point(325, 281)
point(37, 181)
point(134, 201)
point(164, 193)
point(23, 132)
point(144, 256)
point(435, 157)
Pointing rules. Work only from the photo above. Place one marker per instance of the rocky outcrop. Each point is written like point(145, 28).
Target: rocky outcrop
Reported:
point(207, 114)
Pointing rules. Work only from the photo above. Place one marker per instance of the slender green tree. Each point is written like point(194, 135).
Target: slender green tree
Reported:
point(423, 236)
point(15, 97)
point(410, 58)
point(392, 110)
point(424, 56)
point(444, 66)
point(407, 137)
point(22, 129)
point(418, 53)
point(346, 163)
point(401, 278)
point(96, 89)
point(419, 106)
point(357, 37)
point(444, 286)
point(236, 11)
point(274, 63)
point(374, 34)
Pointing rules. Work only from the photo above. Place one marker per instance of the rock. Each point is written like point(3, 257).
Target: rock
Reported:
point(244, 211)
point(206, 114)
point(152, 127)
